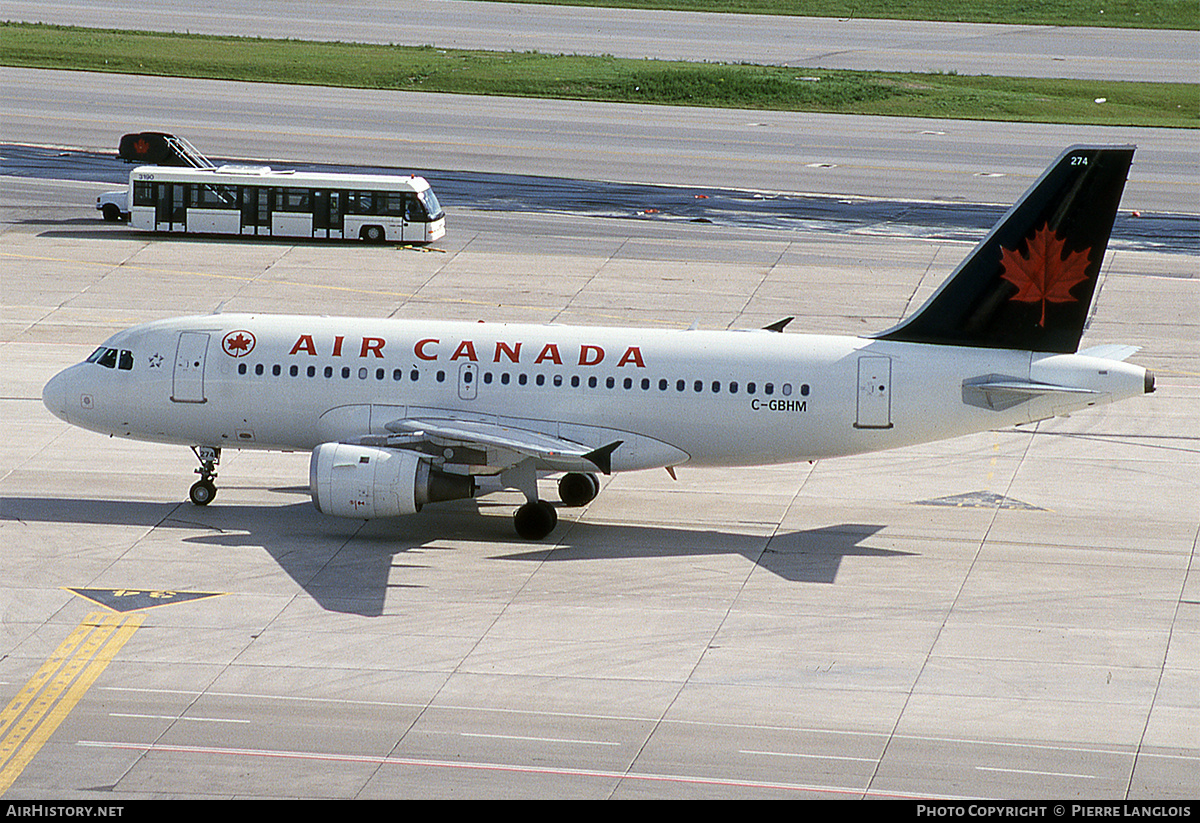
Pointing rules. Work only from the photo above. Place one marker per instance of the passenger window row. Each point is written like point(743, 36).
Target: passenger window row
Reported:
point(523, 379)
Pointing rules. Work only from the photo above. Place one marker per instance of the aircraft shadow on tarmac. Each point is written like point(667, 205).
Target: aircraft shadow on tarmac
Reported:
point(349, 566)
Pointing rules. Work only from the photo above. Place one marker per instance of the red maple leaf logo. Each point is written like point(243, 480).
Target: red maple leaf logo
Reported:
point(1047, 273)
point(140, 146)
point(238, 343)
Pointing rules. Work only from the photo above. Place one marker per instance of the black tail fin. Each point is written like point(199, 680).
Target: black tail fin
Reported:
point(1029, 284)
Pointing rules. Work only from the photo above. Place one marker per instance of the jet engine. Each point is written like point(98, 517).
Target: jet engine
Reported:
point(368, 482)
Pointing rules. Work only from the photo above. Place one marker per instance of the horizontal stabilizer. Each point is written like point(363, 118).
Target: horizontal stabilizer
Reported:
point(1112, 351)
point(998, 393)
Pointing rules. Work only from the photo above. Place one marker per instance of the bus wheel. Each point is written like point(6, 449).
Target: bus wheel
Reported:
point(373, 234)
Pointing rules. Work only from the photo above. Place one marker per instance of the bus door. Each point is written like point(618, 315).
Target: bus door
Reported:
point(256, 210)
point(327, 213)
point(416, 221)
point(170, 210)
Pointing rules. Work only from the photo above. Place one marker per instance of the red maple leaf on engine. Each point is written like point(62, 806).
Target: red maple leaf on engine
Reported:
point(1047, 273)
point(140, 146)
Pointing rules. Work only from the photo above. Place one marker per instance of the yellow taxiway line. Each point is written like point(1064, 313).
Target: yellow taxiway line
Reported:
point(48, 698)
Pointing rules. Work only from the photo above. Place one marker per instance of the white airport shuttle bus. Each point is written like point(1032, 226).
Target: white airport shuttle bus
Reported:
point(401, 413)
point(260, 201)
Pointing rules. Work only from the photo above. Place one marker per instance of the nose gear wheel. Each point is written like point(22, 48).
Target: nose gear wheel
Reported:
point(204, 490)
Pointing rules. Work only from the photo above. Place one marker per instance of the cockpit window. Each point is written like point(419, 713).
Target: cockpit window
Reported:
point(112, 358)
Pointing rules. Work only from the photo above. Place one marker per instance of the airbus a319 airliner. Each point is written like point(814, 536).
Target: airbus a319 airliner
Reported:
point(401, 413)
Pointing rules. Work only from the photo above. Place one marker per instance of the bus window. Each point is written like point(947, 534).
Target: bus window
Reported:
point(414, 212)
point(215, 197)
point(143, 193)
point(299, 200)
point(393, 203)
point(360, 202)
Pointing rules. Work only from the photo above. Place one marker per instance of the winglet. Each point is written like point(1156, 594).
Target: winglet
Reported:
point(779, 325)
point(602, 456)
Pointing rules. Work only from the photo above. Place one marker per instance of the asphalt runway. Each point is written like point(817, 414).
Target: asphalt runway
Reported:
point(1010, 615)
point(815, 42)
point(887, 158)
point(500, 192)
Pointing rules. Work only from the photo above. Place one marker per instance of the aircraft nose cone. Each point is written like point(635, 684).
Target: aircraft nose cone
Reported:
point(54, 396)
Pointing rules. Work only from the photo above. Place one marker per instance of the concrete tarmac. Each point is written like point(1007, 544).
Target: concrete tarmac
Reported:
point(1010, 615)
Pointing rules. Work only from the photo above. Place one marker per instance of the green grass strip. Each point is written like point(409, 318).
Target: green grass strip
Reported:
point(608, 79)
point(1140, 14)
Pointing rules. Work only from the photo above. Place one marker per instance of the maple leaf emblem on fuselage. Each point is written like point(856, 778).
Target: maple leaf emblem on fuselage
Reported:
point(238, 343)
point(1047, 273)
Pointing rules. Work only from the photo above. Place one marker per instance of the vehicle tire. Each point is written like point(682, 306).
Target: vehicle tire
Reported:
point(111, 213)
point(202, 492)
point(373, 234)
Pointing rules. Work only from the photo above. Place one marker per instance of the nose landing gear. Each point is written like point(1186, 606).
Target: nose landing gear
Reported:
point(204, 490)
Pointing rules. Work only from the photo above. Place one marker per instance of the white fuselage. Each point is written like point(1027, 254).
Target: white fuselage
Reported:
point(671, 397)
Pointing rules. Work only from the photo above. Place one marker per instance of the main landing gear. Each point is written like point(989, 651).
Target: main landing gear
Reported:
point(537, 518)
point(204, 490)
point(578, 489)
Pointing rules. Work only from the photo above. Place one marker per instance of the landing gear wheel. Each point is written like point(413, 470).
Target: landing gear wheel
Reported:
point(535, 520)
point(578, 489)
point(202, 492)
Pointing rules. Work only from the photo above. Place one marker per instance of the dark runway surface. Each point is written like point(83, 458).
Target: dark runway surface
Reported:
point(1177, 233)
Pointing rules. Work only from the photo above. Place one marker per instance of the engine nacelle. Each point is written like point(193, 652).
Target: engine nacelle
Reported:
point(368, 482)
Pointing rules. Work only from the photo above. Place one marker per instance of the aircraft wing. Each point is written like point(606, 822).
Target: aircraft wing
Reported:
point(479, 447)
